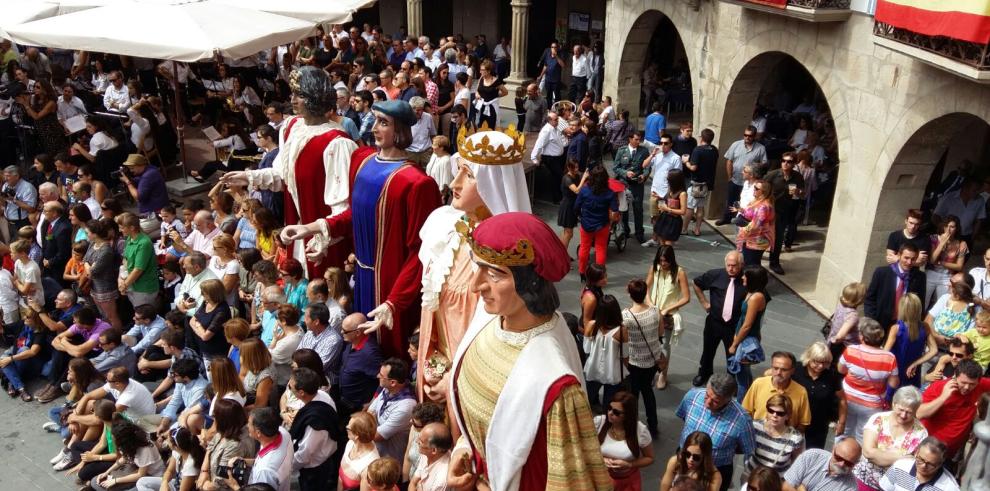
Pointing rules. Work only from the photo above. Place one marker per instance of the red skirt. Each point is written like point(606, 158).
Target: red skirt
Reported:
point(628, 481)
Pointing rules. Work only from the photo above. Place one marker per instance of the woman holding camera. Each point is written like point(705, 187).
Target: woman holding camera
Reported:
point(230, 440)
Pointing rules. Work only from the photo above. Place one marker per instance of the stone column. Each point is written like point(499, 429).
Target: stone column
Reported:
point(414, 17)
point(519, 41)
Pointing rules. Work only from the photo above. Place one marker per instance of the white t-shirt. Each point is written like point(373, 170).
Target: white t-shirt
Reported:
point(136, 397)
point(187, 466)
point(100, 141)
point(29, 272)
point(149, 458)
point(616, 449)
point(233, 267)
point(8, 298)
point(140, 128)
point(463, 95)
point(233, 396)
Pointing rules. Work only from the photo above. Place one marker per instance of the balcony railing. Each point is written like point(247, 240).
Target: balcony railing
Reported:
point(968, 59)
point(806, 10)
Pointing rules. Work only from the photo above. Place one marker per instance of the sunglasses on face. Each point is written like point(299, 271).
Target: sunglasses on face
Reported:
point(617, 412)
point(788, 160)
point(957, 355)
point(665, 143)
point(776, 412)
point(842, 460)
point(694, 457)
point(747, 135)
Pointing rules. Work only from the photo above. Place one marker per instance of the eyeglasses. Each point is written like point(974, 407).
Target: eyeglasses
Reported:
point(418, 426)
point(694, 457)
point(666, 143)
point(957, 355)
point(776, 413)
point(788, 160)
point(617, 412)
point(842, 460)
point(922, 462)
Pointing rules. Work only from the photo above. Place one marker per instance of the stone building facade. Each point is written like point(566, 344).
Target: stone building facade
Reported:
point(896, 115)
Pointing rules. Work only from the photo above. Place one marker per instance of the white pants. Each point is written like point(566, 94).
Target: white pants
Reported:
point(150, 484)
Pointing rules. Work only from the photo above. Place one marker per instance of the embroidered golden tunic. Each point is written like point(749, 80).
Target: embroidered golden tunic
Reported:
point(574, 460)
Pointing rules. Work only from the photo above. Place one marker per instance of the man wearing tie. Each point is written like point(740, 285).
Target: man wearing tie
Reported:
point(890, 282)
point(725, 292)
point(56, 242)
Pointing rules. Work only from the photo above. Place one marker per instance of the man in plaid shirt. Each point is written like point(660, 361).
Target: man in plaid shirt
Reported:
point(713, 410)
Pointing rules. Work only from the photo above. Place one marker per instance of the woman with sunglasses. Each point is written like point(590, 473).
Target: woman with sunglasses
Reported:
point(625, 442)
point(694, 460)
point(778, 444)
point(890, 436)
point(757, 235)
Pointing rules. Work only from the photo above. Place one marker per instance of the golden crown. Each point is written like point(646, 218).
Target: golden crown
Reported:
point(482, 147)
point(521, 254)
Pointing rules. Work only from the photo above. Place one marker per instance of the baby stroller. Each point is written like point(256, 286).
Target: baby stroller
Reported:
point(615, 232)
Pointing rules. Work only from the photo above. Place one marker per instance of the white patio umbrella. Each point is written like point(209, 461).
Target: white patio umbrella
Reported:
point(187, 31)
point(316, 11)
point(19, 12)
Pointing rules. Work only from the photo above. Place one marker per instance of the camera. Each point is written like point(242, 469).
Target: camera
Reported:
point(8, 193)
point(167, 240)
point(123, 171)
point(11, 90)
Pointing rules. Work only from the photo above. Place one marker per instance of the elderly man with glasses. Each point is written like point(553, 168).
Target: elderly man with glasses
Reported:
point(923, 472)
point(740, 154)
point(715, 408)
point(819, 470)
point(117, 98)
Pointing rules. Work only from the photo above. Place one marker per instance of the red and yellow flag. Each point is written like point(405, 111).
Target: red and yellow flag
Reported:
point(966, 20)
point(771, 3)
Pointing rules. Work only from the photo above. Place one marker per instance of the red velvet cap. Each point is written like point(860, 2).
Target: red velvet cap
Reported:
point(518, 239)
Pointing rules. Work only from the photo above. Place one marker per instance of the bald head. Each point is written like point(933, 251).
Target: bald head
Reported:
point(203, 220)
point(848, 449)
point(437, 437)
point(733, 263)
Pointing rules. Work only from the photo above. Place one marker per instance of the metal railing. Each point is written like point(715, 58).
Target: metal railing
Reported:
point(972, 54)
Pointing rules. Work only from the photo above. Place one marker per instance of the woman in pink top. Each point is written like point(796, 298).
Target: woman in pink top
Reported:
point(868, 370)
point(758, 235)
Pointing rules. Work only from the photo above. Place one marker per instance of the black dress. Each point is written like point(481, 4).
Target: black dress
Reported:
point(566, 216)
point(668, 226)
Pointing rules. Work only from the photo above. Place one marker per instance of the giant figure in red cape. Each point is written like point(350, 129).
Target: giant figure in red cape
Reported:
point(391, 199)
point(312, 165)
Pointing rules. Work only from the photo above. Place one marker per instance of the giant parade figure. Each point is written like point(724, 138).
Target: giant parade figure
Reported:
point(391, 200)
point(517, 386)
point(312, 165)
point(490, 180)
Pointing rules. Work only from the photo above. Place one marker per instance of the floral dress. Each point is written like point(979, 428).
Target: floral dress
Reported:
point(882, 423)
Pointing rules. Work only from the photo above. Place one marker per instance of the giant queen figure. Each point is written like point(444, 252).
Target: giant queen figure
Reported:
point(312, 165)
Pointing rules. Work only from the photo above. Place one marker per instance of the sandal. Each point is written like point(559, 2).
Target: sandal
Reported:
point(26, 396)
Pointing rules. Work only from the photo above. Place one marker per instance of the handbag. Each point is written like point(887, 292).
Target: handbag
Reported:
point(827, 328)
point(699, 190)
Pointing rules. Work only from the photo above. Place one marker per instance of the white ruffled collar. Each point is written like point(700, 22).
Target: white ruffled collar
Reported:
point(440, 242)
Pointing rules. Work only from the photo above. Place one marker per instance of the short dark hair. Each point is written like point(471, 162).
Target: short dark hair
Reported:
point(429, 412)
point(85, 316)
point(636, 289)
point(969, 368)
point(266, 421)
point(146, 311)
point(307, 380)
point(266, 131)
point(963, 343)
point(320, 312)
point(397, 369)
point(756, 279)
point(707, 135)
point(785, 354)
point(608, 313)
point(907, 246)
point(186, 367)
point(175, 338)
point(112, 336)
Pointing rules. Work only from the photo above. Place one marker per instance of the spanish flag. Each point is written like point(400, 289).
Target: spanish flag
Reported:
point(965, 20)
point(781, 4)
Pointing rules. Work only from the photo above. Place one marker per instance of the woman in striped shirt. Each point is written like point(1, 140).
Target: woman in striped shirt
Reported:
point(778, 444)
point(868, 370)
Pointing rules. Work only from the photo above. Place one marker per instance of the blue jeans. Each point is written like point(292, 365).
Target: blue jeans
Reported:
point(54, 414)
point(22, 369)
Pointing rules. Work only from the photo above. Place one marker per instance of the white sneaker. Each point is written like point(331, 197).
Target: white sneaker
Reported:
point(649, 243)
point(65, 463)
point(52, 427)
point(58, 458)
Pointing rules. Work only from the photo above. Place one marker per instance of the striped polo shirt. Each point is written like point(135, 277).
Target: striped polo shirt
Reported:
point(868, 369)
point(902, 476)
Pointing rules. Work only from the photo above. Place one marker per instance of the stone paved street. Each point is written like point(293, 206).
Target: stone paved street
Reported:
point(789, 324)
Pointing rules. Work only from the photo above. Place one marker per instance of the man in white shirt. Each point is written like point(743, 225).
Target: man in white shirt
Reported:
point(981, 282)
point(579, 73)
point(273, 465)
point(549, 152)
point(314, 431)
point(665, 161)
point(84, 194)
point(199, 240)
point(188, 299)
point(392, 407)
point(422, 133)
point(69, 105)
point(117, 98)
point(434, 443)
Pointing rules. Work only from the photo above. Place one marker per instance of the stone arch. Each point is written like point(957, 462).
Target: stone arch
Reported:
point(631, 37)
point(938, 140)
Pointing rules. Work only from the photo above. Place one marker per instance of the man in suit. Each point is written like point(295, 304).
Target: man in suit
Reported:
point(890, 282)
point(629, 170)
point(725, 297)
point(56, 241)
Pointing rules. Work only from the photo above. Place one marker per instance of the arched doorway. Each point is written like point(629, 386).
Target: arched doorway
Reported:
point(655, 68)
point(777, 94)
point(927, 167)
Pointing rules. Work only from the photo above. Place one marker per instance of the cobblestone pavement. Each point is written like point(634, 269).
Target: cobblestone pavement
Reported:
point(789, 325)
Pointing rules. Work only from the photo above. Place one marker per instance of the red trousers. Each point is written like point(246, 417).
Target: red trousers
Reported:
point(600, 240)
